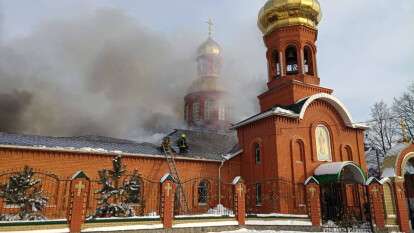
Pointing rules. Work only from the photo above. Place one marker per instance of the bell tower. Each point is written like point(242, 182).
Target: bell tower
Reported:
point(290, 32)
point(206, 105)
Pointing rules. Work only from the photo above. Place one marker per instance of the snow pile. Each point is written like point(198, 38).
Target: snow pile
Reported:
point(220, 210)
point(283, 215)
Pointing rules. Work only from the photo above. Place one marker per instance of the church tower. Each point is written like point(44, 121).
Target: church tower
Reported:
point(303, 132)
point(290, 32)
point(205, 104)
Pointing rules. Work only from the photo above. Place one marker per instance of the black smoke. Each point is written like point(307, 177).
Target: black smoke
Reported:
point(101, 74)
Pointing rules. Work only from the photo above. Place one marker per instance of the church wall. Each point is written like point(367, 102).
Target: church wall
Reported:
point(289, 149)
point(345, 142)
point(65, 164)
point(262, 133)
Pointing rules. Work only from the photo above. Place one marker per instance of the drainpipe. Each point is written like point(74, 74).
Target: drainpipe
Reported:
point(219, 177)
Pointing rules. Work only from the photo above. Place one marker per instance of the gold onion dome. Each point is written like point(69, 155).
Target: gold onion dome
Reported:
point(209, 47)
point(283, 13)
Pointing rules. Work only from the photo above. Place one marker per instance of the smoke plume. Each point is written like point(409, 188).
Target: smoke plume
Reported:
point(102, 74)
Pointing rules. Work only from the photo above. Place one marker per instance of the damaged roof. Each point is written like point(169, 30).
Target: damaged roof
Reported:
point(83, 143)
point(205, 144)
point(202, 144)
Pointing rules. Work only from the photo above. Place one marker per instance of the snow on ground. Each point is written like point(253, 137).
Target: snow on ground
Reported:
point(206, 224)
point(123, 228)
point(62, 230)
point(257, 231)
point(279, 222)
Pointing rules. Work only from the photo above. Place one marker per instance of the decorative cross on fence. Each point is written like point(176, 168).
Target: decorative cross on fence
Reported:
point(312, 191)
point(168, 188)
point(240, 190)
point(375, 191)
point(79, 187)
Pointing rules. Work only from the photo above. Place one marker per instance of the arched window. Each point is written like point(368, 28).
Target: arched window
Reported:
point(291, 58)
point(257, 153)
point(208, 108)
point(276, 64)
point(258, 194)
point(196, 111)
point(299, 151)
point(323, 143)
point(187, 112)
point(348, 152)
point(308, 61)
point(203, 188)
point(222, 112)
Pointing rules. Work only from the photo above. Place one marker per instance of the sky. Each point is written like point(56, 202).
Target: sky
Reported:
point(365, 48)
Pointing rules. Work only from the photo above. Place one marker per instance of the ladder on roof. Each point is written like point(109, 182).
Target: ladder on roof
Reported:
point(174, 173)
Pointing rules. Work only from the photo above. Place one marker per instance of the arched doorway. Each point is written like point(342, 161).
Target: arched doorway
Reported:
point(407, 170)
point(343, 192)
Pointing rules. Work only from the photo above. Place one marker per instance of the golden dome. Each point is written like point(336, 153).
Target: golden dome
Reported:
point(209, 47)
point(283, 13)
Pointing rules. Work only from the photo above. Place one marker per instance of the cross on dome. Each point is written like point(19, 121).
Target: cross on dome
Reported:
point(210, 27)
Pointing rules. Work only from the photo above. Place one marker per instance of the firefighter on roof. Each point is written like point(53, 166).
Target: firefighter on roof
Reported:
point(166, 145)
point(182, 144)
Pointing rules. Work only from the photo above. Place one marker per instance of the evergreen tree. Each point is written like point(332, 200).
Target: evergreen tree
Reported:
point(23, 191)
point(115, 198)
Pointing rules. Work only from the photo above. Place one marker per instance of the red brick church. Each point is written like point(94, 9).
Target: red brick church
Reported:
point(302, 134)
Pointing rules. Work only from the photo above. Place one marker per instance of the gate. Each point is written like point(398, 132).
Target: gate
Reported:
point(345, 208)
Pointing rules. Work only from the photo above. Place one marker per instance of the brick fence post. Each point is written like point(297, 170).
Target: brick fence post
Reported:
point(376, 197)
point(79, 186)
point(240, 200)
point(167, 200)
point(313, 194)
point(401, 204)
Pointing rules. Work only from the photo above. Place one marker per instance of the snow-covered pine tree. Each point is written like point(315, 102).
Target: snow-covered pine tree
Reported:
point(116, 197)
point(23, 191)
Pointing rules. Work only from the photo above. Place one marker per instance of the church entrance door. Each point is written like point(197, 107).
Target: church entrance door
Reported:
point(344, 196)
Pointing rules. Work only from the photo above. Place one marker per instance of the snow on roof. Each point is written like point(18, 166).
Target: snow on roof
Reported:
point(164, 177)
point(372, 179)
point(330, 168)
point(311, 178)
point(236, 180)
point(396, 149)
point(388, 172)
point(388, 166)
point(204, 145)
point(298, 110)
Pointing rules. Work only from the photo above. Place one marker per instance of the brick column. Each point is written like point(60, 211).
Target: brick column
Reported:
point(240, 200)
point(77, 202)
point(376, 197)
point(401, 204)
point(167, 201)
point(314, 203)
